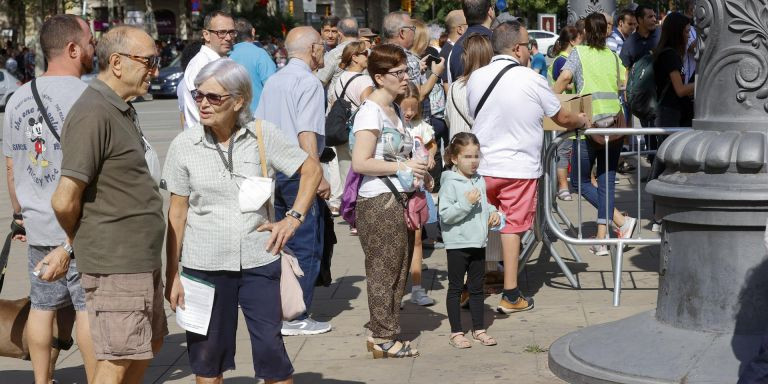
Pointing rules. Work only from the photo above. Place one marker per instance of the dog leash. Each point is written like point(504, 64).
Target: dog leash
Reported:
point(16, 229)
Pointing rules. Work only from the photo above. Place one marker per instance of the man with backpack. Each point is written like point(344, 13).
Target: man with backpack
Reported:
point(636, 47)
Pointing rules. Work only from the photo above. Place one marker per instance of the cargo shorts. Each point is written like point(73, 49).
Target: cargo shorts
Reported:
point(126, 314)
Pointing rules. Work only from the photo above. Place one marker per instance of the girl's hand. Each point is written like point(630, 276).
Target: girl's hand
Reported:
point(494, 220)
point(431, 163)
point(472, 196)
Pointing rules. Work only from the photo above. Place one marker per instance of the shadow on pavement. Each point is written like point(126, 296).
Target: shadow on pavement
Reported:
point(311, 377)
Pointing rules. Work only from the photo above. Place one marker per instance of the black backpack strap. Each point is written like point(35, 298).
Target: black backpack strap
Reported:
point(491, 87)
point(42, 110)
point(344, 88)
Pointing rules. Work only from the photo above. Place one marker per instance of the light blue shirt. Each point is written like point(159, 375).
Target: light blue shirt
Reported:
point(258, 64)
point(294, 100)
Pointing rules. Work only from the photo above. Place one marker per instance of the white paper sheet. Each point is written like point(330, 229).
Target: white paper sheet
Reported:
point(198, 304)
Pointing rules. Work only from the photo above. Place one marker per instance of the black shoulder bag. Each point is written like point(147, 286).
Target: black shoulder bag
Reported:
point(492, 86)
point(42, 110)
point(336, 132)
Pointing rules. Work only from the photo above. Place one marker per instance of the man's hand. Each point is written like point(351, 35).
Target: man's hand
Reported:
point(18, 232)
point(174, 292)
point(56, 265)
point(494, 219)
point(473, 196)
point(324, 189)
point(282, 231)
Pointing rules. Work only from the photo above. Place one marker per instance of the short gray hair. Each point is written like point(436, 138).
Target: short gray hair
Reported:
point(235, 80)
point(347, 26)
point(114, 41)
point(506, 36)
point(392, 24)
point(244, 30)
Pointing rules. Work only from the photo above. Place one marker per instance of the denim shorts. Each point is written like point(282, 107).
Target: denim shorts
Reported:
point(50, 296)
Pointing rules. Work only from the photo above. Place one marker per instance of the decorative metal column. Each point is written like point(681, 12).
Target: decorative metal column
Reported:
point(712, 310)
point(579, 9)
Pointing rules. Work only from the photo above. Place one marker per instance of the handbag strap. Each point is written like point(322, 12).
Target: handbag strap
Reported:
point(394, 190)
point(262, 155)
point(453, 100)
point(492, 86)
point(42, 110)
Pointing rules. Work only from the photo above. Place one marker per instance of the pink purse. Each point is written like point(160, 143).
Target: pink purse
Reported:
point(291, 295)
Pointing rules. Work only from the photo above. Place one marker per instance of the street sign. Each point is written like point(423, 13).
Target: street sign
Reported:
point(310, 6)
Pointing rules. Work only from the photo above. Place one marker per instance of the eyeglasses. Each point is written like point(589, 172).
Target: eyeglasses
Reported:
point(213, 98)
point(400, 75)
point(150, 62)
point(364, 53)
point(410, 27)
point(222, 33)
point(527, 44)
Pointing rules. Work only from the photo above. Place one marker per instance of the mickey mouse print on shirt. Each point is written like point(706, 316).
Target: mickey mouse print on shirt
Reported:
point(34, 133)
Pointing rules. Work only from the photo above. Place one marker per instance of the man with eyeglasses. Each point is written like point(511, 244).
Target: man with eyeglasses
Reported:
point(508, 124)
point(219, 36)
point(109, 205)
point(294, 100)
point(33, 153)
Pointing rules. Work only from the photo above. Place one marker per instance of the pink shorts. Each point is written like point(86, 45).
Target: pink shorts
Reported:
point(516, 198)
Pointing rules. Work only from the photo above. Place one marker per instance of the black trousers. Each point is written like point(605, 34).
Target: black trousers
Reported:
point(472, 262)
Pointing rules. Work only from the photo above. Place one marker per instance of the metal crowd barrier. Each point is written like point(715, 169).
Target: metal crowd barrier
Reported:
point(548, 230)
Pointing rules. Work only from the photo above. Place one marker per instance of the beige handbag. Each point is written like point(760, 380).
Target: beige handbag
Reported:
point(291, 295)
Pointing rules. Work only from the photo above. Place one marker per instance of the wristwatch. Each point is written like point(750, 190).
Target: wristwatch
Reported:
point(296, 215)
point(69, 250)
point(18, 216)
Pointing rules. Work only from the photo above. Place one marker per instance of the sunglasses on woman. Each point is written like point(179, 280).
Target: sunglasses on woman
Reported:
point(213, 98)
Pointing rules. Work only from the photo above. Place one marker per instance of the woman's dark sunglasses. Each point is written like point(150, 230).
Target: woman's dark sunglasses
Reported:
point(213, 98)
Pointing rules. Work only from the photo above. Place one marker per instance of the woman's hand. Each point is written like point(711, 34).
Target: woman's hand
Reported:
point(282, 231)
point(174, 292)
point(494, 220)
point(419, 168)
point(438, 67)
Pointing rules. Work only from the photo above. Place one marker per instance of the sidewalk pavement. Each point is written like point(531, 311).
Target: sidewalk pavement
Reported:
point(340, 356)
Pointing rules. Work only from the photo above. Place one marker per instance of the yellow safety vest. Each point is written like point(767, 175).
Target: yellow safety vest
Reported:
point(599, 69)
point(551, 70)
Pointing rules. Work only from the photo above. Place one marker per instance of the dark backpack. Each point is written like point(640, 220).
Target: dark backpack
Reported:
point(641, 89)
point(336, 130)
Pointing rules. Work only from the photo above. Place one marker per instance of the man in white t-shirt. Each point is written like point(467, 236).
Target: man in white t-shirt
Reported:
point(508, 125)
point(219, 34)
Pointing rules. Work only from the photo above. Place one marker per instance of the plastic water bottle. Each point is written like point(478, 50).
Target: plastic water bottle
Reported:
point(421, 155)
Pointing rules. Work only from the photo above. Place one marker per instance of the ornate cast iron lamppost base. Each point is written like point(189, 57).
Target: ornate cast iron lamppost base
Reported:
point(712, 310)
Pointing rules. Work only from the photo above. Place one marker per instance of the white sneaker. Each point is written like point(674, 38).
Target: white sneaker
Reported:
point(304, 327)
point(599, 250)
point(628, 229)
point(656, 226)
point(419, 297)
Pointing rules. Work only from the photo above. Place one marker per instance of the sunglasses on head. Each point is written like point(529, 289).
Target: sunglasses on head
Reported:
point(213, 99)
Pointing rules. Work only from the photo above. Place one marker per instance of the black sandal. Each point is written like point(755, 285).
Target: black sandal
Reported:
point(382, 351)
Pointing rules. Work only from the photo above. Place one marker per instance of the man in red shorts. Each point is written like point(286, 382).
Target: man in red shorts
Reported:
point(508, 123)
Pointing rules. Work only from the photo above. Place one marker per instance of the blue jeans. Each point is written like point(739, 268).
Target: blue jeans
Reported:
point(307, 242)
point(592, 153)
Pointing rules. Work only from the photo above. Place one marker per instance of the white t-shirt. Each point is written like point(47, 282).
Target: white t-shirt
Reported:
point(187, 104)
point(394, 143)
point(509, 125)
point(354, 90)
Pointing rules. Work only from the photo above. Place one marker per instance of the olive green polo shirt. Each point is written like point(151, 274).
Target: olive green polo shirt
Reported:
point(122, 224)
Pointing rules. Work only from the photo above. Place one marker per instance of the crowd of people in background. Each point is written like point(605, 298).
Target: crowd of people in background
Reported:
point(443, 144)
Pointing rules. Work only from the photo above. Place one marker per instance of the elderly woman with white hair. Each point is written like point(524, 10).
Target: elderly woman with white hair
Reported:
point(220, 242)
